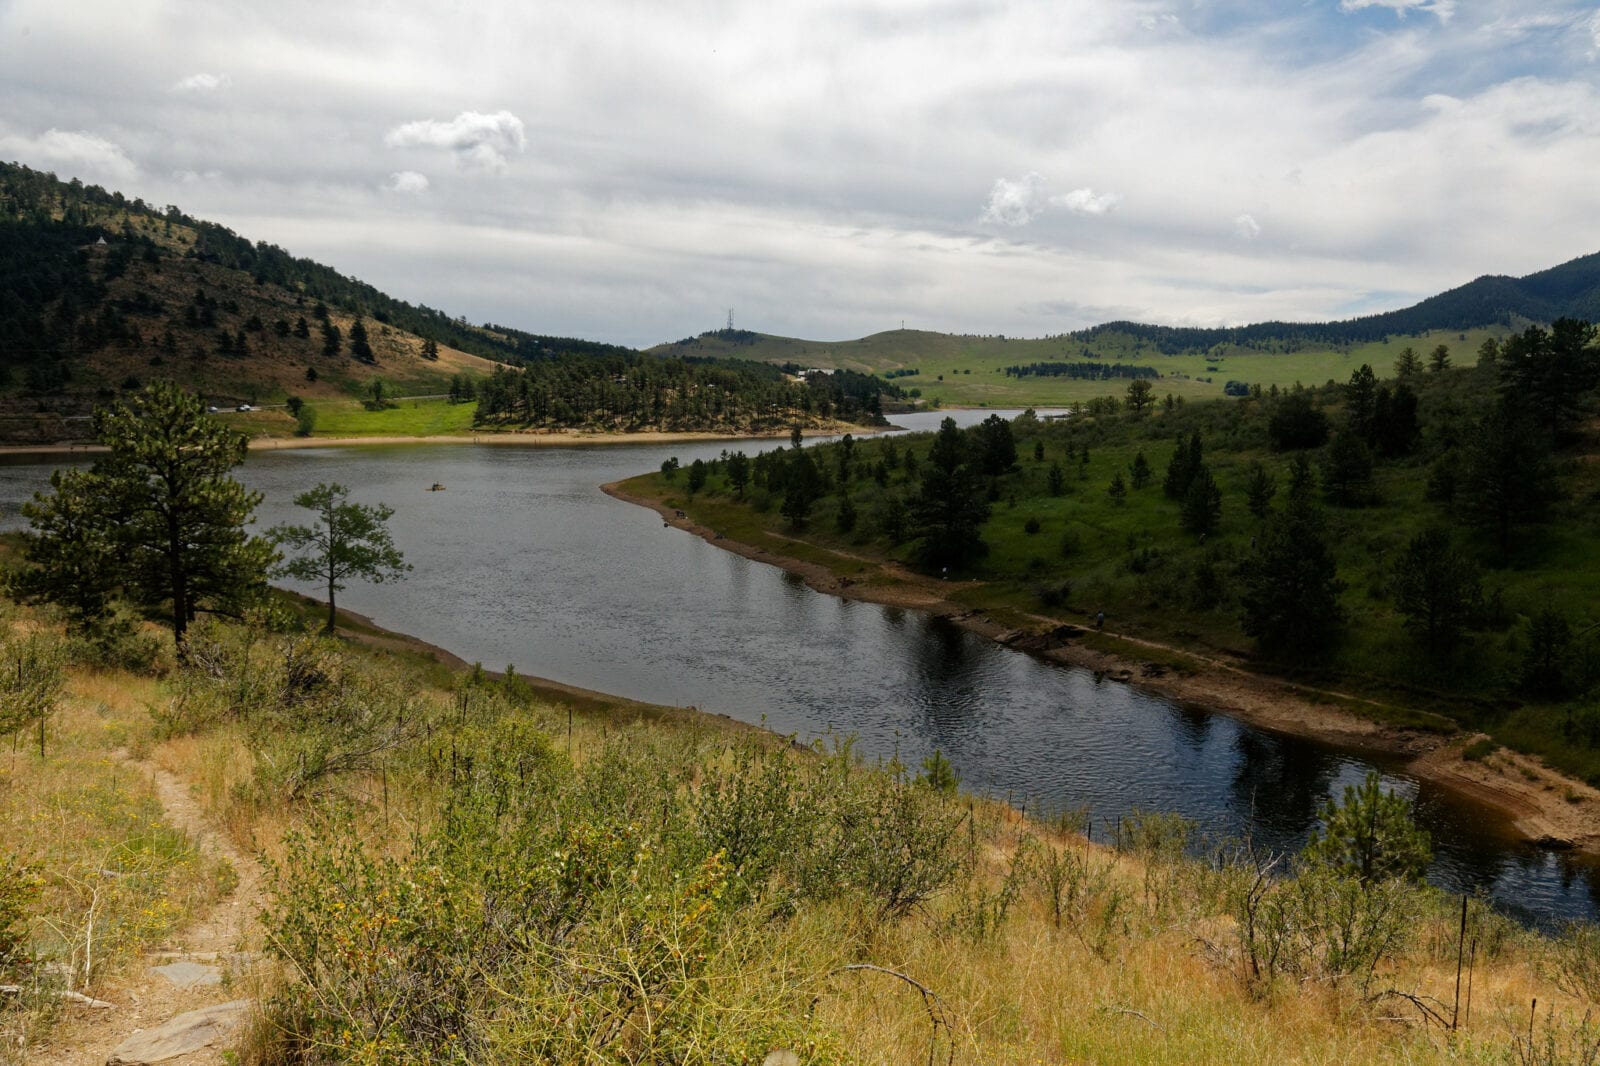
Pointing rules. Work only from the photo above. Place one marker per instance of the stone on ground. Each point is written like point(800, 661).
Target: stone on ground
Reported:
point(188, 1032)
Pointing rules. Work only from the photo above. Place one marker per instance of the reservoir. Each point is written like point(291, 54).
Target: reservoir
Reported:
point(524, 561)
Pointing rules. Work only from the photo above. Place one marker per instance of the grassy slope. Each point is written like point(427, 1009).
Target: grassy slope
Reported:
point(1134, 562)
point(1141, 967)
point(972, 367)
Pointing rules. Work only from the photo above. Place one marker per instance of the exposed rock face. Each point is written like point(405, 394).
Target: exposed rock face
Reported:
point(188, 1032)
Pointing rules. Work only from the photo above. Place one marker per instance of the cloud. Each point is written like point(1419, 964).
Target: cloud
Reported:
point(1015, 203)
point(478, 141)
point(1087, 201)
point(1442, 8)
point(195, 177)
point(1594, 30)
point(75, 153)
point(407, 181)
point(201, 83)
point(1246, 228)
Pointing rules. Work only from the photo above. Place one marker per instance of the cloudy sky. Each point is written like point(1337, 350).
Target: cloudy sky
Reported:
point(628, 170)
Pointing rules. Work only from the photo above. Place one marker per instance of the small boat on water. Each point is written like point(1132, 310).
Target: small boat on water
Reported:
point(436, 487)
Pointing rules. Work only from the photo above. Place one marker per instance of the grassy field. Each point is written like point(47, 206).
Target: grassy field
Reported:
point(1068, 556)
point(685, 890)
point(969, 370)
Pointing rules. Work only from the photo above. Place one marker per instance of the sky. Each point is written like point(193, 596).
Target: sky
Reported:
point(631, 170)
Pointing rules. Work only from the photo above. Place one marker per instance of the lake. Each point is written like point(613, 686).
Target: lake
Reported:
point(523, 561)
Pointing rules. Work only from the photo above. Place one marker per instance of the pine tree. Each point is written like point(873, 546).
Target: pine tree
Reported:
point(1291, 588)
point(1202, 503)
point(157, 516)
point(1259, 488)
point(950, 509)
point(1118, 489)
point(1186, 459)
point(1140, 469)
point(359, 346)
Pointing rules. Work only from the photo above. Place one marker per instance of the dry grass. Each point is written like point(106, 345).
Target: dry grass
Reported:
point(1160, 982)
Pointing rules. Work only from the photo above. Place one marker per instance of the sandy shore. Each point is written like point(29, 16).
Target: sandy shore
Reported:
point(1537, 803)
point(560, 439)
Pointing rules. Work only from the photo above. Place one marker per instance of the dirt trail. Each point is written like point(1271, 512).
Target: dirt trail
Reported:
point(226, 936)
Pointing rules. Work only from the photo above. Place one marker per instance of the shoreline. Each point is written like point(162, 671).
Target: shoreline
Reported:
point(1539, 805)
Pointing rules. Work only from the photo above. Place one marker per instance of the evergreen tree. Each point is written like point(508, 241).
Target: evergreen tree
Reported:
point(1553, 371)
point(347, 540)
point(430, 349)
point(1291, 588)
point(359, 346)
point(1056, 480)
point(1139, 395)
point(1507, 480)
point(697, 477)
point(1347, 471)
point(1202, 503)
point(1186, 459)
point(996, 447)
point(1407, 364)
point(1140, 470)
point(330, 339)
point(950, 509)
point(1439, 360)
point(845, 520)
point(157, 515)
point(1370, 836)
point(802, 486)
point(1361, 398)
point(1118, 489)
point(1395, 428)
point(1295, 424)
point(739, 472)
point(1488, 352)
point(1259, 488)
point(1436, 587)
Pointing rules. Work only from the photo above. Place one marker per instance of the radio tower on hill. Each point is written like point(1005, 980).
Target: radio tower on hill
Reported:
point(730, 320)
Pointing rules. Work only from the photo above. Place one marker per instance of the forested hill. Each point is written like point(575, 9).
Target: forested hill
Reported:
point(100, 293)
point(1571, 290)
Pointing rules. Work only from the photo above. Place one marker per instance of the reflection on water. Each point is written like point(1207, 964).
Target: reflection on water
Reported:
point(522, 560)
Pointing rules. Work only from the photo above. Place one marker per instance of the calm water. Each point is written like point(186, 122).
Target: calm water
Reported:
point(523, 561)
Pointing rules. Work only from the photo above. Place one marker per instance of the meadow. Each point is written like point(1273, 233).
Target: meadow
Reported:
point(969, 371)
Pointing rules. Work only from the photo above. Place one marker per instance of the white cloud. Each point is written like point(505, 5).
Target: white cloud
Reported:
point(1087, 201)
point(196, 177)
point(1442, 8)
point(73, 153)
point(201, 83)
point(407, 181)
point(1594, 31)
point(478, 141)
point(1246, 228)
point(1015, 203)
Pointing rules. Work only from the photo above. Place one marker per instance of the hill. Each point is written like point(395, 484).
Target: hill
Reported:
point(1457, 510)
point(398, 862)
point(994, 370)
point(102, 293)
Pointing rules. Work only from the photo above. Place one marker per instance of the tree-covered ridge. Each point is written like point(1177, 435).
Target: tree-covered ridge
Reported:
point(634, 391)
point(1571, 290)
point(171, 297)
point(1424, 536)
point(40, 200)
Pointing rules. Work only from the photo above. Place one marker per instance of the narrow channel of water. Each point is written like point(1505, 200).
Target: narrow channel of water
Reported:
point(523, 561)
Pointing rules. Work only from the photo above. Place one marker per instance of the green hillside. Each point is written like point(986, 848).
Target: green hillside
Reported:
point(1457, 509)
point(100, 294)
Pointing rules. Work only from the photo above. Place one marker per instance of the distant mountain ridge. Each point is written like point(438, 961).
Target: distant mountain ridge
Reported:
point(1571, 290)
